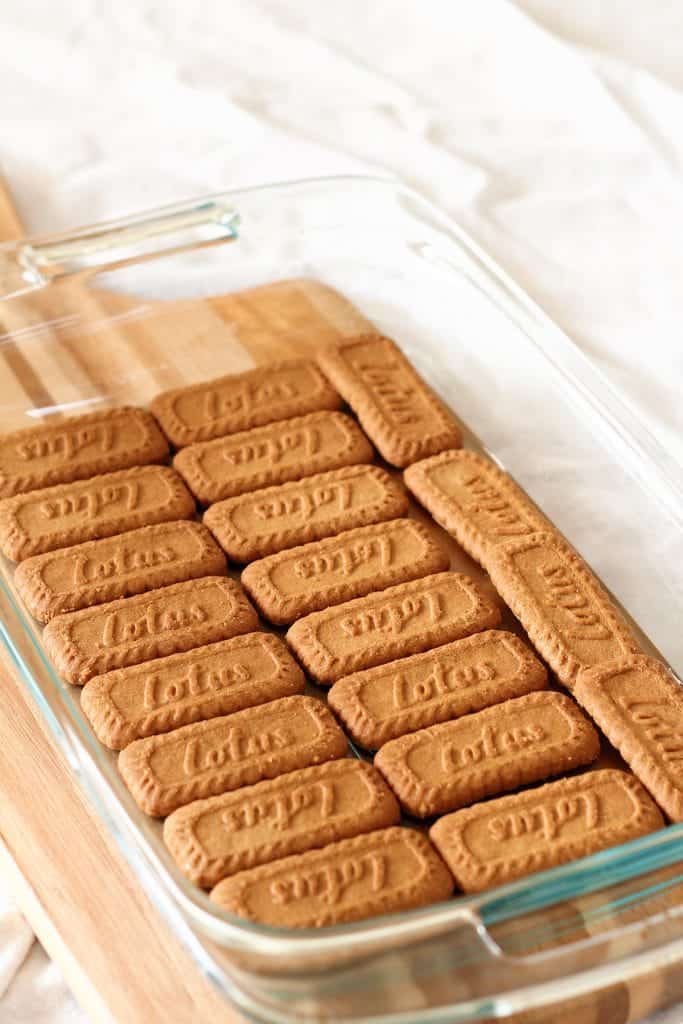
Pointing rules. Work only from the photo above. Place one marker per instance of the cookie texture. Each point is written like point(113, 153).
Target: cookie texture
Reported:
point(104, 570)
point(264, 522)
point(393, 623)
point(300, 811)
point(217, 679)
point(305, 579)
point(457, 763)
point(638, 705)
point(240, 401)
point(567, 613)
point(167, 771)
point(68, 514)
point(379, 873)
point(473, 500)
point(398, 411)
point(78, 447)
point(95, 640)
point(272, 454)
point(505, 839)
point(455, 679)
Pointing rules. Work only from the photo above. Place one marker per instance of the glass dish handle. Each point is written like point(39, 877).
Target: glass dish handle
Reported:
point(25, 266)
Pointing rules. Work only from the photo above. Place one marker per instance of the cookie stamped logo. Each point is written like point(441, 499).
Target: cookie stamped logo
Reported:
point(91, 503)
point(68, 443)
point(304, 504)
point(332, 883)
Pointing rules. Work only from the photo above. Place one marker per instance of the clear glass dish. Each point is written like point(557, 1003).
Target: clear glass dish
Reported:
point(117, 312)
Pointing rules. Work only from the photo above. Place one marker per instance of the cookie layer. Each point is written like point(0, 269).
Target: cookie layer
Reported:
point(455, 679)
point(400, 414)
point(501, 840)
point(273, 454)
point(473, 500)
point(639, 707)
point(457, 763)
point(305, 579)
point(78, 447)
point(566, 612)
point(303, 810)
point(264, 522)
point(240, 401)
point(92, 641)
point(104, 570)
point(393, 623)
point(59, 517)
point(218, 679)
point(378, 873)
point(167, 771)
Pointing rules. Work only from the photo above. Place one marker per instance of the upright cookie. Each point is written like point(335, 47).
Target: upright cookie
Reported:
point(509, 745)
point(241, 401)
point(473, 500)
point(639, 707)
point(455, 679)
point(398, 411)
point(303, 810)
point(394, 623)
point(273, 454)
point(167, 771)
point(501, 840)
point(305, 579)
point(89, 642)
point(130, 563)
point(78, 447)
point(264, 522)
point(379, 873)
point(59, 517)
point(566, 612)
point(218, 679)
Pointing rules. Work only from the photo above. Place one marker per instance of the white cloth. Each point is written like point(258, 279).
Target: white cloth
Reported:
point(552, 131)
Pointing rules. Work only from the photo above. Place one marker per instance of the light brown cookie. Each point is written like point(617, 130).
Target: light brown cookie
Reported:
point(638, 705)
point(393, 623)
point(473, 500)
point(398, 411)
point(264, 522)
point(272, 454)
point(305, 579)
point(59, 517)
point(303, 810)
point(89, 642)
point(167, 771)
point(501, 840)
point(241, 401)
point(78, 447)
point(455, 679)
point(104, 570)
point(378, 873)
point(457, 763)
point(566, 612)
point(218, 679)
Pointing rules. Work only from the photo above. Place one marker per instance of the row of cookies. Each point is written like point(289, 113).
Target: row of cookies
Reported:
point(267, 582)
point(568, 615)
point(321, 577)
point(138, 626)
point(352, 573)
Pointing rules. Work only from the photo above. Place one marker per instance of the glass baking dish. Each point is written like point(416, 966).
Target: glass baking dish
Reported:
point(118, 312)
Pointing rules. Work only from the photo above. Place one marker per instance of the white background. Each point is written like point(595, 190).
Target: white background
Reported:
point(552, 131)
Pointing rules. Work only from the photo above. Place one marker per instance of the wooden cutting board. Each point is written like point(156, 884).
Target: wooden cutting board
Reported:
point(72, 883)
